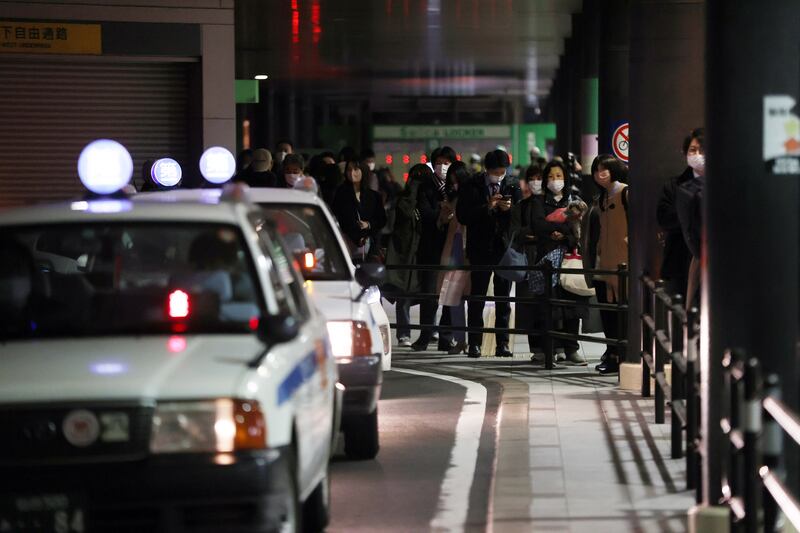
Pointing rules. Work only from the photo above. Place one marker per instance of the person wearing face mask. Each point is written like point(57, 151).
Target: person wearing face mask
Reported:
point(293, 176)
point(605, 238)
point(689, 202)
point(454, 285)
point(360, 212)
point(525, 240)
point(552, 235)
point(484, 208)
point(435, 212)
point(676, 258)
point(368, 158)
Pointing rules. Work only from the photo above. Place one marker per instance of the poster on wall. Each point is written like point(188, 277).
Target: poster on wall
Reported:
point(781, 135)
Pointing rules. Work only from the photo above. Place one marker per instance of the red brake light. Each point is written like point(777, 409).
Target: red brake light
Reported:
point(178, 304)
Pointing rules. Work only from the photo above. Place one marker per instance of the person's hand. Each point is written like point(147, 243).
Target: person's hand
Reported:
point(530, 237)
point(504, 205)
point(557, 236)
point(495, 201)
point(363, 224)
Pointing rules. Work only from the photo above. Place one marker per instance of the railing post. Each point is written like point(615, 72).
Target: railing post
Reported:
point(692, 407)
point(647, 337)
point(622, 314)
point(676, 335)
point(733, 478)
point(548, 315)
point(772, 450)
point(658, 356)
point(752, 456)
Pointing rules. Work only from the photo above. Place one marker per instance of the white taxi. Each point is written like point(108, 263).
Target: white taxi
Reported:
point(347, 295)
point(161, 369)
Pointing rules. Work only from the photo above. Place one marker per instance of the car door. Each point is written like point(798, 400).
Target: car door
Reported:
point(314, 396)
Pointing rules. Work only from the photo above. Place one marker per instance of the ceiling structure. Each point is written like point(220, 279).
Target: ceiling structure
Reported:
point(447, 48)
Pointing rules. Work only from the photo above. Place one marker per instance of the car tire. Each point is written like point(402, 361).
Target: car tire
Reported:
point(361, 436)
point(317, 508)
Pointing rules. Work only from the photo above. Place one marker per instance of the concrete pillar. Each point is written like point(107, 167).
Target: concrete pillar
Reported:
point(666, 101)
point(614, 69)
point(750, 262)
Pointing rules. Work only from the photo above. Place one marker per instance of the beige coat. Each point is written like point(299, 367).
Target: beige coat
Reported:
point(458, 281)
point(612, 247)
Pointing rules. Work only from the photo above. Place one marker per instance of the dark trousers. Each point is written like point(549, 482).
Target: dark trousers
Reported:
point(569, 325)
point(402, 309)
point(610, 319)
point(480, 283)
point(427, 317)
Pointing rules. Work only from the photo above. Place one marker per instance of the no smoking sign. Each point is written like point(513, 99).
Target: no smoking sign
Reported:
point(620, 142)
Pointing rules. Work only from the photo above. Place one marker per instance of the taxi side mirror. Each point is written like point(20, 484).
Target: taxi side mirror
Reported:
point(277, 329)
point(369, 274)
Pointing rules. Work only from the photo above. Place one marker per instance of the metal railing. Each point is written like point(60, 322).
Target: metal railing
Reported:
point(753, 486)
point(670, 334)
point(548, 300)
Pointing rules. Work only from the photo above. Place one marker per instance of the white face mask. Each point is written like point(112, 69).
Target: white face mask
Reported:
point(441, 170)
point(555, 186)
point(536, 186)
point(279, 156)
point(697, 162)
point(496, 179)
point(371, 166)
point(291, 179)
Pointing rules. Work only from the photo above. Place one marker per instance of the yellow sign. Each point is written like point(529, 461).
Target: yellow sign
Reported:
point(50, 38)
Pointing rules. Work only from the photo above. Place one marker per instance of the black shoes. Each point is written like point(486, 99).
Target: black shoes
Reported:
point(457, 348)
point(445, 346)
point(420, 345)
point(609, 366)
point(474, 351)
point(503, 351)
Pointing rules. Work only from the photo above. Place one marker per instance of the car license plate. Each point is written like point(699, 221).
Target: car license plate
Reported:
point(49, 512)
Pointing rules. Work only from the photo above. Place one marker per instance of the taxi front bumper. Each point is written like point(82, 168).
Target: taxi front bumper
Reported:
point(362, 378)
point(163, 493)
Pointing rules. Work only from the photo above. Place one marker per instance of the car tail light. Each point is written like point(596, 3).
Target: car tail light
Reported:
point(349, 338)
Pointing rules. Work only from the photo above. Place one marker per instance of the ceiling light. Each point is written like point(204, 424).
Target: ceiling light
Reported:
point(261, 77)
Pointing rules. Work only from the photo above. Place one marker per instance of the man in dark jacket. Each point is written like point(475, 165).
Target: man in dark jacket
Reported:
point(434, 214)
point(675, 263)
point(484, 207)
point(688, 203)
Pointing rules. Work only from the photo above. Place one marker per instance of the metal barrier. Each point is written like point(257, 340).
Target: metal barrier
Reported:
point(670, 333)
point(548, 300)
point(752, 486)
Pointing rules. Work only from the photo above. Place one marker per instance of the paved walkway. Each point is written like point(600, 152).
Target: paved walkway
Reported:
point(575, 454)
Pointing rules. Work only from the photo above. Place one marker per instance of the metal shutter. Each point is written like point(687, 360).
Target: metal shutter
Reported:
point(50, 109)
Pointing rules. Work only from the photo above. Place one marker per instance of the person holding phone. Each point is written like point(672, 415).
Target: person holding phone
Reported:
point(484, 207)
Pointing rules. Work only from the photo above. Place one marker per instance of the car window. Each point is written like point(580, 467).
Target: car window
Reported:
point(283, 272)
point(126, 278)
point(306, 230)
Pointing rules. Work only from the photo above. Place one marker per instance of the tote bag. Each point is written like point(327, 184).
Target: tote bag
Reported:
point(572, 282)
point(513, 258)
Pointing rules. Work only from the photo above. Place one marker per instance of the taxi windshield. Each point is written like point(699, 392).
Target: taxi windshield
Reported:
point(306, 230)
point(125, 278)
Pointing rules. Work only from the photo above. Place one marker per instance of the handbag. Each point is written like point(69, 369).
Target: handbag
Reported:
point(572, 282)
point(536, 281)
point(513, 258)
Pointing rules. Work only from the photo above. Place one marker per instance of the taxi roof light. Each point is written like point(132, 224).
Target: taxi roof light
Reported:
point(166, 172)
point(217, 165)
point(104, 166)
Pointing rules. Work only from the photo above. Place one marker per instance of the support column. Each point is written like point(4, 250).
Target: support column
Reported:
point(747, 302)
point(666, 101)
point(614, 69)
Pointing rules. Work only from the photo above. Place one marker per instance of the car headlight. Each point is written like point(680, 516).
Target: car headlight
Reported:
point(220, 426)
point(349, 338)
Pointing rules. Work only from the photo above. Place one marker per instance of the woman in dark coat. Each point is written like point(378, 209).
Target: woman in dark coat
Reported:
point(552, 235)
point(402, 249)
point(360, 212)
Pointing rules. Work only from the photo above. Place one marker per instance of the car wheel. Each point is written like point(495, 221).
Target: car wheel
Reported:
point(291, 522)
point(317, 508)
point(361, 436)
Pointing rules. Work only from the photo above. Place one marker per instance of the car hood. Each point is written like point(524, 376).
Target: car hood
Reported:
point(153, 367)
point(335, 300)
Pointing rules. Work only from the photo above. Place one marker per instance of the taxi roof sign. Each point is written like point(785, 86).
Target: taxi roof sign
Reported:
point(166, 172)
point(104, 166)
point(217, 165)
